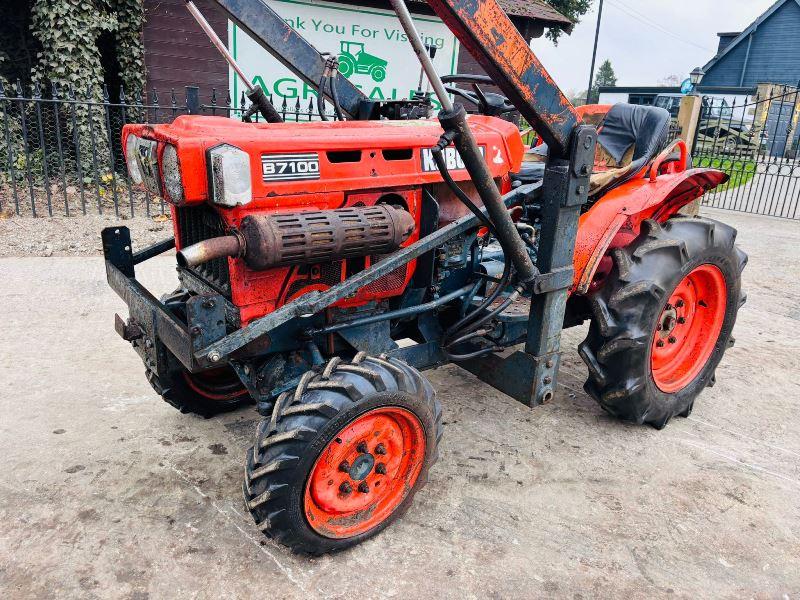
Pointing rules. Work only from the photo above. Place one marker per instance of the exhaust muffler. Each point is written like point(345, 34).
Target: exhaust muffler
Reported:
point(281, 239)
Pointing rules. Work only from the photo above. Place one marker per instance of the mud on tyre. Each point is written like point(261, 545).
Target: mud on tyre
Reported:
point(663, 319)
point(343, 454)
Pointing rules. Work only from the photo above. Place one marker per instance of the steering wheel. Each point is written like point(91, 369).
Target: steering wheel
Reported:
point(488, 103)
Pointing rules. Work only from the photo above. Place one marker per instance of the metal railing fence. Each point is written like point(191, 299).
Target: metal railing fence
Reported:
point(60, 148)
point(756, 143)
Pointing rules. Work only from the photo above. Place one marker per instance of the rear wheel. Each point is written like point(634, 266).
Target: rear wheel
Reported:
point(663, 319)
point(343, 454)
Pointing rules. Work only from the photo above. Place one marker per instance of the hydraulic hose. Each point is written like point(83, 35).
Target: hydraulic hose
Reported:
point(453, 329)
point(442, 166)
point(335, 96)
point(455, 125)
point(321, 97)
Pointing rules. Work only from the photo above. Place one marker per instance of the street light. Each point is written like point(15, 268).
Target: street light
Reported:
point(696, 76)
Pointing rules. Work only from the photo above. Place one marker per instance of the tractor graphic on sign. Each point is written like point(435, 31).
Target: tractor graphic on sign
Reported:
point(353, 59)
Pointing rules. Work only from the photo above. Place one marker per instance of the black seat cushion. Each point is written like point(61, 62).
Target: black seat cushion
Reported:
point(643, 127)
point(630, 136)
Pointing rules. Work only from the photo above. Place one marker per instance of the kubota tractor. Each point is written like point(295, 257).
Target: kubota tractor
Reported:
point(324, 265)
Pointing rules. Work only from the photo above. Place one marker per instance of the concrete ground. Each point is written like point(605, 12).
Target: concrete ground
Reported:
point(106, 491)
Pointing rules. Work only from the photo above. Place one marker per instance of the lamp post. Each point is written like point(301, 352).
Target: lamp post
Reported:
point(695, 77)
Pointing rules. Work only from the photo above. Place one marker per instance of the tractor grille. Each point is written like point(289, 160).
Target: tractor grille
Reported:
point(390, 282)
point(198, 223)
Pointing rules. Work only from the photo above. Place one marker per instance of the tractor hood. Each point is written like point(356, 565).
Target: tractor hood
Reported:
point(289, 159)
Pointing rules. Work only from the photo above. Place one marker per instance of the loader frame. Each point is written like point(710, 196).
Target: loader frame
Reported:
point(530, 374)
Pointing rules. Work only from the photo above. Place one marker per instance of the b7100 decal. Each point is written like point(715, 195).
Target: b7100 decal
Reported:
point(289, 167)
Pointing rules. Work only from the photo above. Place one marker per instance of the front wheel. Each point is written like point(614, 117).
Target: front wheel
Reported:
point(343, 454)
point(663, 319)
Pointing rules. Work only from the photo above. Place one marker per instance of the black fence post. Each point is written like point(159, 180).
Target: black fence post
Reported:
point(26, 146)
point(192, 100)
point(59, 147)
point(76, 142)
point(10, 154)
point(37, 100)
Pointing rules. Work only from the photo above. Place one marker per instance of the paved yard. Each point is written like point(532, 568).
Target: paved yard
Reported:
point(106, 491)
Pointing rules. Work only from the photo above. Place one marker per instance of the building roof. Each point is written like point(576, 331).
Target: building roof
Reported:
point(535, 10)
point(746, 33)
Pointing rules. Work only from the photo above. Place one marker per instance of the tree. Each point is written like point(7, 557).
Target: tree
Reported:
point(572, 9)
point(605, 77)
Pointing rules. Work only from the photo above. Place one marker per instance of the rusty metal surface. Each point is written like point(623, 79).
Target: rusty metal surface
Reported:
point(491, 38)
point(202, 252)
point(314, 237)
point(315, 301)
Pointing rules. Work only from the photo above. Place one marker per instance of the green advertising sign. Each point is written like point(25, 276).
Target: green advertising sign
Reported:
point(372, 48)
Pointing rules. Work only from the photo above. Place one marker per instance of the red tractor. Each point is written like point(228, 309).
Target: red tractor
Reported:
point(324, 265)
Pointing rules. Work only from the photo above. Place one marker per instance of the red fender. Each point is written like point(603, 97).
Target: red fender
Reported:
point(614, 220)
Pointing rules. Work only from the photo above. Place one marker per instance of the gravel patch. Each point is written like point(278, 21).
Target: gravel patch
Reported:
point(74, 236)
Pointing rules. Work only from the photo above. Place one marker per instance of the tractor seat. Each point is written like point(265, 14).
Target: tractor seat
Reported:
point(630, 137)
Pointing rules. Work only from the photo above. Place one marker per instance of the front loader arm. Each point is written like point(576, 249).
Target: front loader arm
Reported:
point(493, 40)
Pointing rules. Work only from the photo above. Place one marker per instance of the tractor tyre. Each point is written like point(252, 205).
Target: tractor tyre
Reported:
point(206, 394)
point(343, 454)
point(663, 319)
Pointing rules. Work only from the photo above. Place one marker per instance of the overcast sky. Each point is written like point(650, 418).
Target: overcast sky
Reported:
point(646, 40)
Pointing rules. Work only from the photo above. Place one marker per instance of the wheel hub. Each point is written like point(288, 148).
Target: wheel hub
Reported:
point(361, 467)
point(365, 472)
point(688, 328)
point(668, 321)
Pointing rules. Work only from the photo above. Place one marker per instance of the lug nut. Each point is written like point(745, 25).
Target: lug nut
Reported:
point(380, 469)
point(659, 327)
point(345, 488)
point(362, 447)
point(363, 487)
point(660, 343)
point(344, 466)
point(681, 320)
point(679, 304)
point(672, 339)
point(668, 307)
point(380, 449)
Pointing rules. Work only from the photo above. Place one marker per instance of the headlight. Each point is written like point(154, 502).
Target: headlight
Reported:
point(171, 170)
point(145, 153)
point(230, 176)
point(134, 171)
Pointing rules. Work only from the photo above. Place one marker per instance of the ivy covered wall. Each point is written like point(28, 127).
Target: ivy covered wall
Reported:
point(85, 45)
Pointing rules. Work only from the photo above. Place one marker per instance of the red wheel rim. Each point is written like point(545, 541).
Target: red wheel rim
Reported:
point(217, 384)
point(363, 475)
point(688, 328)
